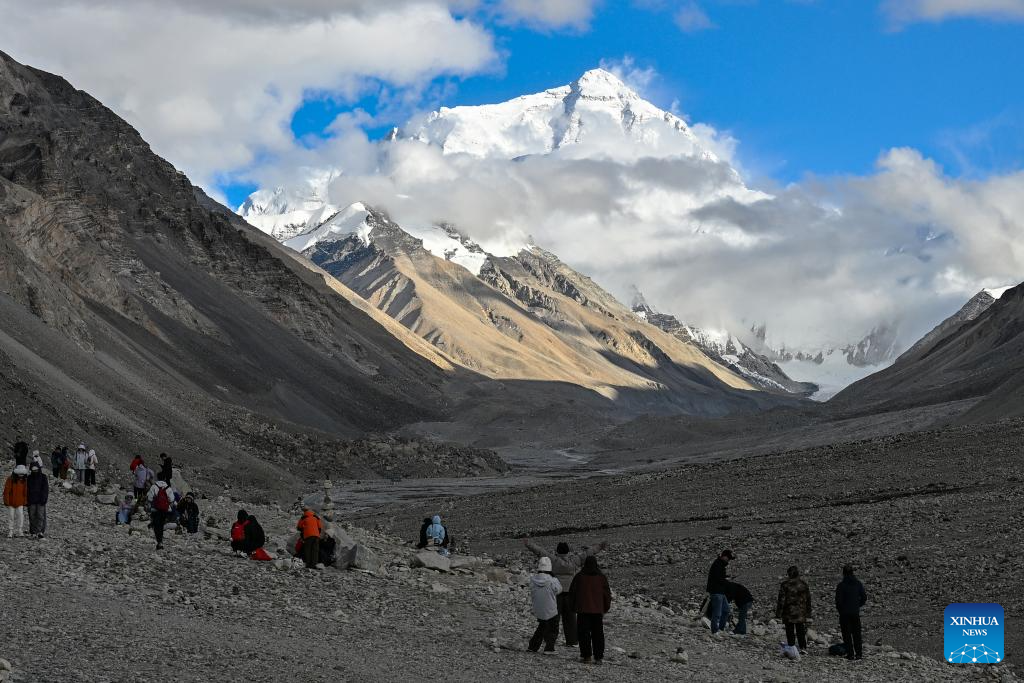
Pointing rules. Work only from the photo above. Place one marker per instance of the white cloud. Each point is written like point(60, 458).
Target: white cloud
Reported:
point(902, 12)
point(549, 13)
point(691, 18)
point(639, 78)
point(213, 90)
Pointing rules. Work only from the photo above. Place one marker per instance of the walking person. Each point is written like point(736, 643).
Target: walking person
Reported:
point(57, 461)
point(16, 498)
point(81, 458)
point(161, 498)
point(739, 595)
point(592, 598)
point(850, 597)
point(38, 497)
point(794, 608)
point(544, 592)
point(309, 527)
point(565, 564)
point(91, 462)
point(718, 586)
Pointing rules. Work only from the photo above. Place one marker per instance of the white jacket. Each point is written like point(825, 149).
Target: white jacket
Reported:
point(91, 460)
point(544, 590)
point(80, 459)
point(156, 487)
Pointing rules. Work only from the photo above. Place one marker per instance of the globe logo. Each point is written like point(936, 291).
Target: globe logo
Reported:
point(973, 633)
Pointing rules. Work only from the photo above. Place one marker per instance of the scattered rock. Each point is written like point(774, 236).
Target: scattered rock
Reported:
point(431, 560)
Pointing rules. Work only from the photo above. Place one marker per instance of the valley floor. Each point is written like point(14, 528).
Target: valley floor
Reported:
point(94, 603)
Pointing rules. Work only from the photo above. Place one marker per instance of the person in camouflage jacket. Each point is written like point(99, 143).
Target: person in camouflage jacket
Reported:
point(794, 607)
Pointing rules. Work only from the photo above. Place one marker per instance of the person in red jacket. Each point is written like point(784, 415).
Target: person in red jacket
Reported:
point(310, 528)
point(592, 598)
point(238, 532)
point(16, 498)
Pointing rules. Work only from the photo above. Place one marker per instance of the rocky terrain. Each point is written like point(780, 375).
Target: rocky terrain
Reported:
point(928, 518)
point(94, 602)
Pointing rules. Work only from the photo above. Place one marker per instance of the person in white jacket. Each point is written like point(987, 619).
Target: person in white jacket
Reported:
point(544, 590)
point(81, 456)
point(91, 462)
point(161, 502)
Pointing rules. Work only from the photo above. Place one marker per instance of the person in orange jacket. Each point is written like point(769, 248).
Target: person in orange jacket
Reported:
point(310, 527)
point(16, 498)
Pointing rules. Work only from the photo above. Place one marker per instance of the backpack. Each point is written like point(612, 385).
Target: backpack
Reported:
point(160, 501)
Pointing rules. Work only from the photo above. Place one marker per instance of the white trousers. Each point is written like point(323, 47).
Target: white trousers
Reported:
point(19, 515)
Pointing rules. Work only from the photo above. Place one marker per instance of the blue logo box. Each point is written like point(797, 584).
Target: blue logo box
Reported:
point(973, 633)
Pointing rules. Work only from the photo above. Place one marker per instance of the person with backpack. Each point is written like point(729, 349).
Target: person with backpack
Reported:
point(188, 513)
point(741, 597)
point(161, 499)
point(850, 597)
point(565, 565)
point(793, 608)
point(592, 598)
point(310, 528)
point(16, 498)
point(20, 450)
point(717, 587)
point(57, 461)
point(91, 462)
point(81, 458)
point(544, 592)
point(38, 497)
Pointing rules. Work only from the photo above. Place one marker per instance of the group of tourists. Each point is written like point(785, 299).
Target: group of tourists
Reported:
point(792, 608)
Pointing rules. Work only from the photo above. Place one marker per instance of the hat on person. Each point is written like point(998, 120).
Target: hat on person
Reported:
point(21, 469)
point(81, 446)
point(544, 564)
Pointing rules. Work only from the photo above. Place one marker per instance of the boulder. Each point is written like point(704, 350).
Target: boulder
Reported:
point(78, 489)
point(364, 559)
point(431, 560)
point(106, 499)
point(465, 562)
point(497, 575)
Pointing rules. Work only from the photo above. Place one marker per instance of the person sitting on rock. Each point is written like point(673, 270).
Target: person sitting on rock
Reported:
point(188, 513)
point(544, 592)
point(16, 498)
point(238, 532)
point(125, 510)
point(565, 565)
point(794, 608)
point(310, 528)
point(38, 497)
point(436, 535)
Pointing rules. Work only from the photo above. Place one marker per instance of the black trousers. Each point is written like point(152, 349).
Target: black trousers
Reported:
point(795, 632)
point(157, 519)
point(56, 471)
point(568, 615)
point(311, 551)
point(591, 631)
point(90, 477)
point(850, 626)
point(547, 632)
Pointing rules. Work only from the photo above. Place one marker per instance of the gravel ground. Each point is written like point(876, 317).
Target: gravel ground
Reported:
point(95, 603)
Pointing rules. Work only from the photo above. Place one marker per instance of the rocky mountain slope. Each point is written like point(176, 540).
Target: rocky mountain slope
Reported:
point(135, 311)
point(223, 617)
point(728, 350)
point(526, 317)
point(964, 358)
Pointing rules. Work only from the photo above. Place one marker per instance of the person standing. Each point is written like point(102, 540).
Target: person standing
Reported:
point(20, 450)
point(565, 565)
point(544, 592)
point(718, 586)
point(38, 497)
point(794, 608)
point(850, 597)
point(16, 498)
point(309, 530)
point(166, 468)
point(188, 513)
point(161, 498)
point(739, 594)
point(57, 461)
point(592, 598)
point(81, 458)
point(136, 461)
point(91, 461)
point(142, 477)
point(65, 466)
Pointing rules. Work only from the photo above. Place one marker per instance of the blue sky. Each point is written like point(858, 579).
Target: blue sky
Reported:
point(806, 87)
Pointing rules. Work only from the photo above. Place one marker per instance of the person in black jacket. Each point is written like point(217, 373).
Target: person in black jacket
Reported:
point(739, 594)
point(38, 496)
point(20, 450)
point(718, 586)
point(850, 597)
point(166, 468)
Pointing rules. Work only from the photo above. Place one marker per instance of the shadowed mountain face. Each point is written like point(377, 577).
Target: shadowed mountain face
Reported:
point(134, 308)
point(971, 355)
